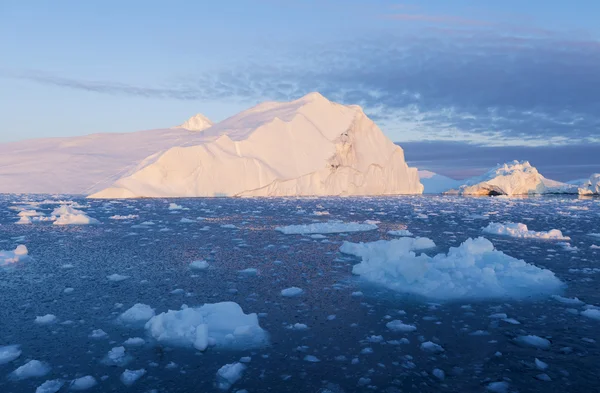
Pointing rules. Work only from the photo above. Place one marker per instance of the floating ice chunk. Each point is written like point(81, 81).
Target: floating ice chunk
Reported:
point(18, 254)
point(186, 221)
point(127, 217)
point(50, 386)
point(117, 357)
point(398, 326)
point(67, 215)
point(400, 232)
point(543, 377)
point(138, 314)
point(47, 319)
point(297, 326)
point(229, 374)
point(567, 300)
point(498, 387)
point(512, 321)
point(311, 358)
point(222, 324)
point(540, 365)
point(519, 230)
point(292, 292)
point(68, 290)
point(432, 347)
point(326, 227)
point(117, 277)
point(199, 265)
point(533, 341)
point(591, 313)
point(472, 270)
point(229, 226)
point(129, 377)
point(8, 353)
point(31, 369)
point(174, 206)
point(83, 383)
point(134, 342)
point(98, 334)
point(439, 374)
point(249, 271)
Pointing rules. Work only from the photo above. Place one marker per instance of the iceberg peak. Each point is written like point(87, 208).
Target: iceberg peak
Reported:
point(198, 122)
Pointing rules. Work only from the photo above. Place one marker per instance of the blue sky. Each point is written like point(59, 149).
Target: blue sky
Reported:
point(507, 73)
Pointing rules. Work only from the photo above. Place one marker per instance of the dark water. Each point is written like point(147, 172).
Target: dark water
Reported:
point(157, 257)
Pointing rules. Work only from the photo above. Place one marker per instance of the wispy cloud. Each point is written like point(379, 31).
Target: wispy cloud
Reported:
point(437, 19)
point(486, 86)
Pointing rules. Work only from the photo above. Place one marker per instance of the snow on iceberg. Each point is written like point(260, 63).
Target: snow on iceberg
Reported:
point(592, 186)
point(18, 254)
point(326, 227)
point(67, 215)
point(198, 122)
point(138, 314)
point(519, 230)
point(220, 324)
point(472, 270)
point(305, 147)
point(434, 183)
point(513, 178)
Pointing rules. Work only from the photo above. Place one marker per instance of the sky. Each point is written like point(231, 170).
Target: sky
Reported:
point(478, 73)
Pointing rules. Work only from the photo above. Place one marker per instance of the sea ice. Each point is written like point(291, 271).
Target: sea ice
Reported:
point(199, 265)
point(533, 341)
point(67, 215)
point(326, 227)
point(8, 353)
point(50, 386)
point(519, 230)
point(472, 270)
point(398, 326)
point(138, 314)
point(129, 377)
point(45, 319)
point(31, 369)
point(292, 292)
point(229, 374)
point(83, 383)
point(221, 324)
point(18, 254)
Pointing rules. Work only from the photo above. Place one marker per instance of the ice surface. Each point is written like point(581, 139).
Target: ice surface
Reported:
point(513, 178)
point(472, 270)
point(221, 324)
point(592, 186)
point(398, 326)
point(50, 386)
point(45, 319)
point(8, 353)
point(521, 231)
point(432, 347)
point(292, 292)
point(434, 183)
point(20, 253)
point(533, 341)
point(229, 374)
point(31, 369)
point(309, 146)
point(326, 227)
point(129, 377)
point(83, 383)
point(199, 265)
point(138, 314)
point(117, 277)
point(67, 215)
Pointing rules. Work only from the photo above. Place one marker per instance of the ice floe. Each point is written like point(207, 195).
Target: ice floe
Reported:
point(475, 269)
point(520, 230)
point(326, 227)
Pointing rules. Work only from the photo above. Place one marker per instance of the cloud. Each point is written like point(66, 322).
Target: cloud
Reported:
point(488, 86)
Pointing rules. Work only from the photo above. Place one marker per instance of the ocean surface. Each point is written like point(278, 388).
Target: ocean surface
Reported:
point(346, 337)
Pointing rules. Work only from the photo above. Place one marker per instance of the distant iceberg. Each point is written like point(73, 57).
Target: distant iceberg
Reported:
point(592, 186)
point(513, 178)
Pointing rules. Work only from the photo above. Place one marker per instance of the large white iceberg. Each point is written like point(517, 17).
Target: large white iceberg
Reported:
point(221, 324)
point(84, 164)
point(513, 178)
point(309, 146)
point(473, 270)
point(592, 186)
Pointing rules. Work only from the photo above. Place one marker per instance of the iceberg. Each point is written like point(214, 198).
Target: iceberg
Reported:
point(18, 254)
point(198, 122)
point(434, 183)
point(306, 147)
point(592, 186)
point(84, 164)
point(520, 230)
point(513, 178)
